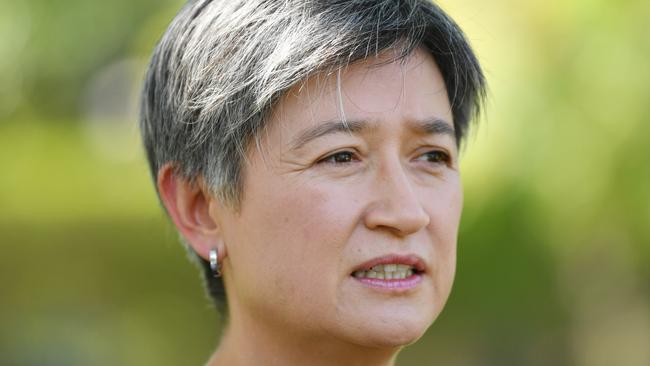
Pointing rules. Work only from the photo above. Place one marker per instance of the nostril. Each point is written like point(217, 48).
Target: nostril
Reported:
point(399, 219)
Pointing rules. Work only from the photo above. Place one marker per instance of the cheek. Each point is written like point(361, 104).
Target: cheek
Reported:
point(445, 210)
point(293, 242)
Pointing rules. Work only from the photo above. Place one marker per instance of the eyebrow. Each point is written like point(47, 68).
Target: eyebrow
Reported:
point(432, 126)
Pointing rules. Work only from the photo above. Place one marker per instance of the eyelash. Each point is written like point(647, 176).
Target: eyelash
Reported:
point(441, 157)
point(331, 159)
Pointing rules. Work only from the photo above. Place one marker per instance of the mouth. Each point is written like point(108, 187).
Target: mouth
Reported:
point(391, 272)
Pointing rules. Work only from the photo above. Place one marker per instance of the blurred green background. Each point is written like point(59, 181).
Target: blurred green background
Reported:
point(554, 249)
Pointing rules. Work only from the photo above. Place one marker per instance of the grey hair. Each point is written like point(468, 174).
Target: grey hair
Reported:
point(221, 66)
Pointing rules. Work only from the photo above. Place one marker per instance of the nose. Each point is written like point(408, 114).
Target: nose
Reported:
point(396, 206)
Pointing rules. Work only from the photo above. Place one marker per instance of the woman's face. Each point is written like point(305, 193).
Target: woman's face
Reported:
point(323, 204)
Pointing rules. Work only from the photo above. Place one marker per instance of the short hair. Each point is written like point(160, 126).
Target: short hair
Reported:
point(221, 65)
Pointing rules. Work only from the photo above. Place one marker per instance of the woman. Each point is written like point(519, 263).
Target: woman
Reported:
point(307, 153)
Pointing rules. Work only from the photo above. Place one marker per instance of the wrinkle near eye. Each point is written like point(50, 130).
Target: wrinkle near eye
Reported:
point(289, 164)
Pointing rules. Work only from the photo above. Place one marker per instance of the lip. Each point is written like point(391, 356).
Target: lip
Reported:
point(411, 260)
point(393, 286)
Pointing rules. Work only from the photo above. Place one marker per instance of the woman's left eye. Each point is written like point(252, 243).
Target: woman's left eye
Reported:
point(436, 157)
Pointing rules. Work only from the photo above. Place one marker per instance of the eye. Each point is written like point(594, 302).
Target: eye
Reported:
point(341, 157)
point(436, 157)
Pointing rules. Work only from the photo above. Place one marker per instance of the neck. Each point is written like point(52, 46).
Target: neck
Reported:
point(248, 342)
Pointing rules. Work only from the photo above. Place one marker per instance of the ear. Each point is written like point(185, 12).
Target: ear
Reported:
point(192, 209)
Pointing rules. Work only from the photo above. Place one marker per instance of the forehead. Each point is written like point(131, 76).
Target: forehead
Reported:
point(374, 89)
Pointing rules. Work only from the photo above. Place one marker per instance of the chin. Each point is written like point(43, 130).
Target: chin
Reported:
point(394, 330)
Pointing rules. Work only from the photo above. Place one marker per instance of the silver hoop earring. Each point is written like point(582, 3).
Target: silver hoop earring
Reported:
point(214, 263)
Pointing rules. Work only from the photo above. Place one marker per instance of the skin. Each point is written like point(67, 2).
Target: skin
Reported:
point(311, 214)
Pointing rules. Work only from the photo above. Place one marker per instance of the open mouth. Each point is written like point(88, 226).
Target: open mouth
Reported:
point(390, 271)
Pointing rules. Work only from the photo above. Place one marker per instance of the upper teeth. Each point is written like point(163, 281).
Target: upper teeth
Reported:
point(386, 271)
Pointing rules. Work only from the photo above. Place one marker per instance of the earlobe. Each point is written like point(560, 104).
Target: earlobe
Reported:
point(188, 205)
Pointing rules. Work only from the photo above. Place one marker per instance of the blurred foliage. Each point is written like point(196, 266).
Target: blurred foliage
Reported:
point(554, 249)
